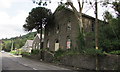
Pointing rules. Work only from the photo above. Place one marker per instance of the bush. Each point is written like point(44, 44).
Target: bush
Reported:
point(13, 52)
point(35, 51)
point(93, 51)
point(59, 53)
point(16, 52)
point(115, 52)
point(25, 53)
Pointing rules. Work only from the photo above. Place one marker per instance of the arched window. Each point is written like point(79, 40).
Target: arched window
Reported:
point(69, 26)
point(56, 45)
point(68, 42)
point(57, 29)
point(48, 44)
point(39, 45)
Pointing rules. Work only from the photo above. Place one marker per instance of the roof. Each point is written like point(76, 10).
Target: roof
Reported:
point(29, 43)
point(39, 36)
point(70, 10)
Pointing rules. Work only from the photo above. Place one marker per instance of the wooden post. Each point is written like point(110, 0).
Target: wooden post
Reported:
point(96, 33)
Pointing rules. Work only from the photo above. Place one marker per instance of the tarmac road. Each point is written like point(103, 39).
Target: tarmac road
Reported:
point(8, 63)
point(13, 62)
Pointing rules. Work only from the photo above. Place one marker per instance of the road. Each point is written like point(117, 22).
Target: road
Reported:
point(12, 62)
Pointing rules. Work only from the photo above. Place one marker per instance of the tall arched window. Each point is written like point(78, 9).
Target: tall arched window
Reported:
point(39, 45)
point(56, 45)
point(57, 29)
point(69, 26)
point(68, 42)
point(48, 44)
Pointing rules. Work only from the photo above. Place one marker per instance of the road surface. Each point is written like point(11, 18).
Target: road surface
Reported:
point(12, 62)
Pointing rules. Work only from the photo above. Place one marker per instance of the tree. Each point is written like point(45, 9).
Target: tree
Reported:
point(110, 33)
point(37, 19)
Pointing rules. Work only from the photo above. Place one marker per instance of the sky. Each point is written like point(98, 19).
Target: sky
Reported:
point(12, 16)
point(14, 12)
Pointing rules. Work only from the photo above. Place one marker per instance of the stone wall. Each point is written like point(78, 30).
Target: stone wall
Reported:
point(48, 57)
point(79, 61)
point(36, 57)
point(108, 62)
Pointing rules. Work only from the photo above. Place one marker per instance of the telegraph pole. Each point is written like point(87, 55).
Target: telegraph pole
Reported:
point(96, 32)
point(12, 45)
point(96, 24)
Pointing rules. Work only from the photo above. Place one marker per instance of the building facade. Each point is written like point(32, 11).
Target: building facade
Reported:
point(65, 31)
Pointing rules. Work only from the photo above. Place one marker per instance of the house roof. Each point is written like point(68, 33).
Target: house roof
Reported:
point(39, 36)
point(70, 10)
point(29, 43)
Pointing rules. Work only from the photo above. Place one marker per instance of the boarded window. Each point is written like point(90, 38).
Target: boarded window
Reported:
point(68, 43)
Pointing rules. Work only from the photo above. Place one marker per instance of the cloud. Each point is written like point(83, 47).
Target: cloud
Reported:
point(12, 17)
point(5, 3)
point(12, 26)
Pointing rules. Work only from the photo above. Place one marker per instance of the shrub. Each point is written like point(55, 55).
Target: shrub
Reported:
point(35, 51)
point(59, 53)
point(13, 52)
point(25, 53)
point(115, 52)
point(16, 52)
point(93, 51)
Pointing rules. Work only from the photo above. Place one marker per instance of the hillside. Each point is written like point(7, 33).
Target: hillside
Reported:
point(18, 41)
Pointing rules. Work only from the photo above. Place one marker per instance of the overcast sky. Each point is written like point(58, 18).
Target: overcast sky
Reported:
point(14, 12)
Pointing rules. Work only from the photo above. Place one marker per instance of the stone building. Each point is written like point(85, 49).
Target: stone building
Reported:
point(65, 30)
point(36, 41)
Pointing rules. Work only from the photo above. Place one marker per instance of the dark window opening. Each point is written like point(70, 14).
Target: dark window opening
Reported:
point(69, 26)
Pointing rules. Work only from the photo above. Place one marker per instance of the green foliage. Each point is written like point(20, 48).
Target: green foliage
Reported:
point(116, 7)
point(13, 52)
point(37, 18)
point(109, 35)
point(60, 7)
point(25, 53)
point(93, 51)
point(59, 53)
point(16, 52)
point(81, 42)
point(35, 51)
point(7, 47)
point(115, 52)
